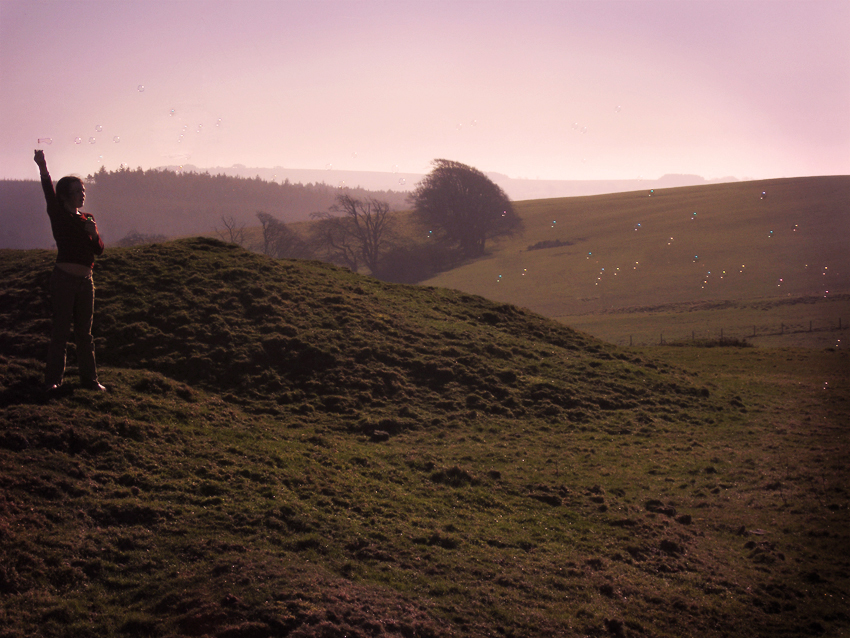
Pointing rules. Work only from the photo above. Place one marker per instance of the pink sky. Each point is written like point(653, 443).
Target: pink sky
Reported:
point(532, 89)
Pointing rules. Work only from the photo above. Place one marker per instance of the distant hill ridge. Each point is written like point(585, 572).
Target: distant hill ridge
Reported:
point(516, 188)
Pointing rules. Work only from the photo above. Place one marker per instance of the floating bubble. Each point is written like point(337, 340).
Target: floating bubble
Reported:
point(92, 140)
point(116, 139)
point(98, 128)
point(141, 88)
point(200, 128)
point(45, 140)
point(584, 129)
point(402, 181)
point(354, 155)
point(618, 109)
point(179, 138)
point(78, 140)
point(218, 122)
point(328, 167)
point(172, 112)
point(395, 168)
point(100, 159)
point(124, 166)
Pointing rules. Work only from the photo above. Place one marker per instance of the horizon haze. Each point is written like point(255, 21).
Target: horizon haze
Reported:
point(536, 89)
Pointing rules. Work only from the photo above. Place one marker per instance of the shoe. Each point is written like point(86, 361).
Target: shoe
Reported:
point(94, 385)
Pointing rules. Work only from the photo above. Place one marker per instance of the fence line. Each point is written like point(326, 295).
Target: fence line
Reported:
point(744, 333)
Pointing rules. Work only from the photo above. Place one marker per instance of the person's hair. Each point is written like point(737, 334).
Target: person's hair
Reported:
point(63, 186)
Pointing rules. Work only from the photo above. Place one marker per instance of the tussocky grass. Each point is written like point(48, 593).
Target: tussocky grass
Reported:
point(290, 449)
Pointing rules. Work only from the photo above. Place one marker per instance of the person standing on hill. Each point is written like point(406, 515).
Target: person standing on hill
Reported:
point(71, 285)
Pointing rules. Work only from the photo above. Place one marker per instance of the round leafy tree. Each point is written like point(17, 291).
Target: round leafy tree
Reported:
point(463, 207)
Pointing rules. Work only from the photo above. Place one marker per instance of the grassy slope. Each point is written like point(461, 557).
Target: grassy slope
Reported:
point(640, 264)
point(290, 449)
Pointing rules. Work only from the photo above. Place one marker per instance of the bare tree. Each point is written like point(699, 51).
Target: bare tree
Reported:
point(355, 231)
point(231, 233)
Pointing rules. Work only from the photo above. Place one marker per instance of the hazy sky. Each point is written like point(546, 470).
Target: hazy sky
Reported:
point(549, 89)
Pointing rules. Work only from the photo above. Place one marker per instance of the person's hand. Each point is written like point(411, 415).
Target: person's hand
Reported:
point(91, 228)
point(39, 159)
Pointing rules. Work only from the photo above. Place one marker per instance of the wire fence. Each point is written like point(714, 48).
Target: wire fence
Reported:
point(736, 335)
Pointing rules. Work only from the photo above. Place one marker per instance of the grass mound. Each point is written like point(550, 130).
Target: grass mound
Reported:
point(290, 449)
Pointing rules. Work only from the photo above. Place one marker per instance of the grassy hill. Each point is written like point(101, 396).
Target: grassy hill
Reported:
point(642, 263)
point(290, 449)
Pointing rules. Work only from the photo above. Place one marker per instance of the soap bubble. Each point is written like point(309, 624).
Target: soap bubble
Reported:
point(218, 122)
point(617, 110)
point(78, 140)
point(92, 140)
point(172, 112)
point(141, 88)
point(402, 181)
point(328, 166)
point(395, 168)
point(98, 128)
point(45, 140)
point(116, 139)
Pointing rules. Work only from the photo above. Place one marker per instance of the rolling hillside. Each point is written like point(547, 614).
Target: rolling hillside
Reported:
point(673, 251)
point(289, 449)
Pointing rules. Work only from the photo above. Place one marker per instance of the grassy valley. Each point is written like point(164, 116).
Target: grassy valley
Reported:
point(292, 449)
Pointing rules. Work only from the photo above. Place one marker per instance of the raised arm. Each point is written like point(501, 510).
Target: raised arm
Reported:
point(46, 184)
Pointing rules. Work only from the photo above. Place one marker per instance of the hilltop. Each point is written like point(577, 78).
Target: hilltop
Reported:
point(292, 449)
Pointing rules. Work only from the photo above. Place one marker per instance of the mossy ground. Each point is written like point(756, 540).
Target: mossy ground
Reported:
point(290, 449)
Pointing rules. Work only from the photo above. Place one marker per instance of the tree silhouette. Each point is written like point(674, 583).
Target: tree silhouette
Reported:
point(354, 231)
point(463, 206)
point(278, 239)
point(232, 233)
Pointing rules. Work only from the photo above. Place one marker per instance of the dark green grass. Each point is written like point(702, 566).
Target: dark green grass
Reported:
point(289, 449)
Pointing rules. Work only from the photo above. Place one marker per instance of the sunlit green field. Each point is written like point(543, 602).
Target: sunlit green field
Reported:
point(774, 241)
